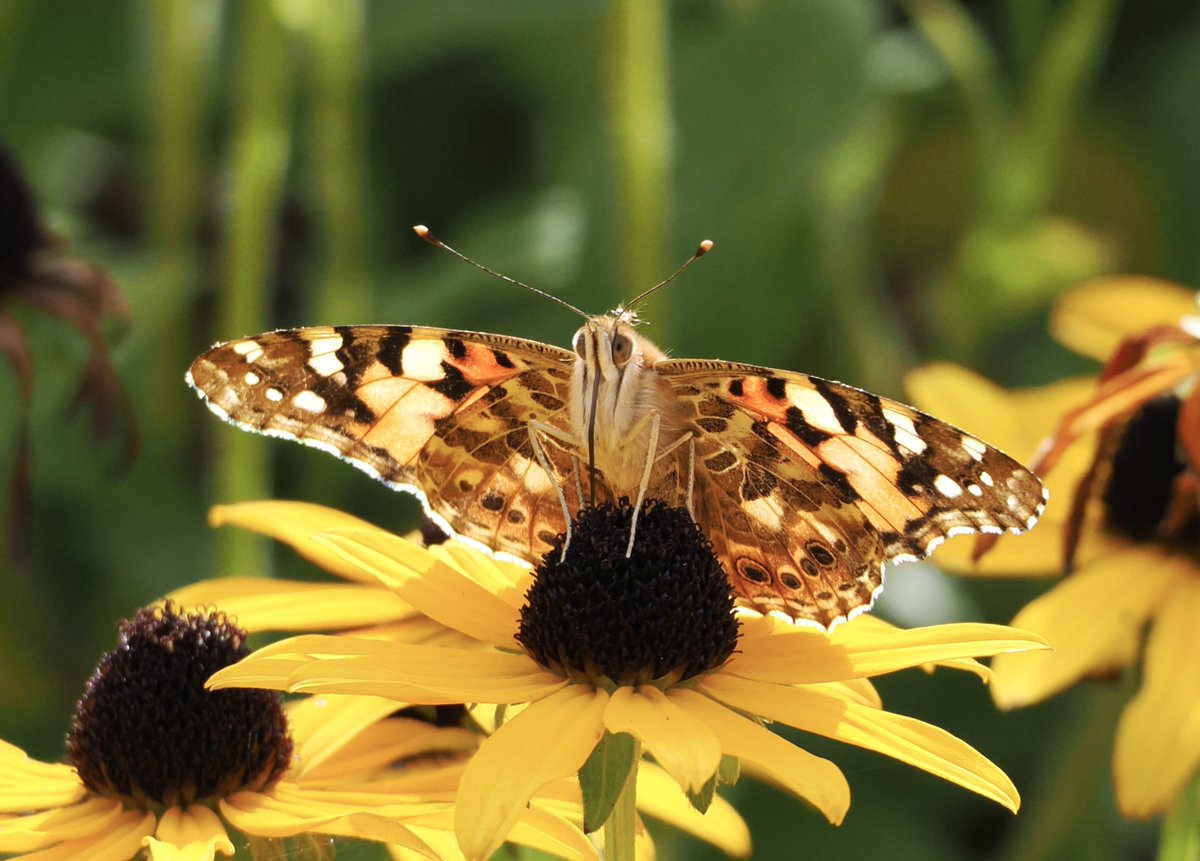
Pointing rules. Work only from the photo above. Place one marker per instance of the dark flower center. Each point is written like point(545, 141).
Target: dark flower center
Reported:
point(664, 614)
point(1141, 490)
point(148, 732)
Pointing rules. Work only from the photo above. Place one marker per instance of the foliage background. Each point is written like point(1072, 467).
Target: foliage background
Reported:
point(886, 184)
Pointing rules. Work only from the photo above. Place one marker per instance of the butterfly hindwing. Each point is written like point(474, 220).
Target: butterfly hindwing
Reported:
point(835, 481)
point(440, 412)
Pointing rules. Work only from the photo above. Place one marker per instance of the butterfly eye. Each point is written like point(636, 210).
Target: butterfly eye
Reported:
point(580, 345)
point(622, 349)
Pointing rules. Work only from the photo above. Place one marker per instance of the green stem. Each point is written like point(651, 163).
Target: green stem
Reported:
point(639, 118)
point(261, 148)
point(183, 37)
point(1181, 829)
point(620, 830)
point(334, 33)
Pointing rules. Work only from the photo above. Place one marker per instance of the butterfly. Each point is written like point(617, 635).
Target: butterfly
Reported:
point(805, 487)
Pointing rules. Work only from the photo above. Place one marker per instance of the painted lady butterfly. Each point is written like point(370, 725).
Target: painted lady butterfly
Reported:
point(806, 487)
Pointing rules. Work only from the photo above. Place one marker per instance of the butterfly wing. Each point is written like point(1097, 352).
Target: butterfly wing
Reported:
point(807, 487)
point(440, 413)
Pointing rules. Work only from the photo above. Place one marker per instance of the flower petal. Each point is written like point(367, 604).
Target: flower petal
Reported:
point(659, 796)
point(818, 781)
point(425, 675)
point(909, 740)
point(1094, 317)
point(46, 827)
point(120, 840)
point(681, 743)
point(1158, 738)
point(436, 589)
point(551, 738)
point(288, 810)
point(321, 727)
point(1092, 620)
point(260, 604)
point(786, 655)
point(295, 524)
point(194, 834)
point(29, 784)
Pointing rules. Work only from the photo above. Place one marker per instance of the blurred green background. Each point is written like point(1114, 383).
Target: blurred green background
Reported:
point(886, 183)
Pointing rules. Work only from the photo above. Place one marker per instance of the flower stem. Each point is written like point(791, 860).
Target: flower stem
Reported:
point(621, 828)
point(1181, 828)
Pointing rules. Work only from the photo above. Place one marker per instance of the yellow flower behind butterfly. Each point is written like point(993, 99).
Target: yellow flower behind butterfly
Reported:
point(600, 647)
point(1121, 456)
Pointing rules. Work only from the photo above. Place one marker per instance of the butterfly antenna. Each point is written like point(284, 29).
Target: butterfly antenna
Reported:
point(705, 247)
point(425, 233)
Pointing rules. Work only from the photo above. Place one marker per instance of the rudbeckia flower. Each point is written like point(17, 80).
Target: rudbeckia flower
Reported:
point(364, 606)
point(155, 761)
point(1121, 456)
point(643, 654)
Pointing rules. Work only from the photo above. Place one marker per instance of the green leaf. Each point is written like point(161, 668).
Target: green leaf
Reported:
point(727, 773)
point(603, 777)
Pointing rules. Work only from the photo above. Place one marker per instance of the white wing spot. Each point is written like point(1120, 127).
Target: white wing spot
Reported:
point(986, 478)
point(974, 490)
point(243, 348)
point(1013, 502)
point(974, 447)
point(274, 395)
point(947, 486)
point(309, 402)
point(422, 360)
point(252, 379)
point(325, 364)
point(326, 344)
point(904, 432)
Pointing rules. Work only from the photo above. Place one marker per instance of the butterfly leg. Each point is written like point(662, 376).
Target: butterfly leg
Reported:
point(651, 458)
point(535, 429)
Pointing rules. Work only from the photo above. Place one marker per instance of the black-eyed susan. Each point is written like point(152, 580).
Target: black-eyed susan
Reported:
point(155, 761)
point(367, 608)
point(642, 650)
point(1121, 456)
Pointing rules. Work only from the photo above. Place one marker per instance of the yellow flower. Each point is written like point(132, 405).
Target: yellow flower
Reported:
point(647, 647)
point(1119, 454)
point(155, 761)
point(366, 607)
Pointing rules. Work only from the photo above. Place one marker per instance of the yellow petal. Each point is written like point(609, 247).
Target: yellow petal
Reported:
point(295, 524)
point(552, 738)
point(194, 834)
point(259, 604)
point(120, 840)
point(46, 827)
point(766, 755)
point(798, 656)
point(425, 675)
point(321, 727)
point(430, 585)
point(1092, 621)
point(288, 810)
point(659, 796)
point(1096, 316)
point(28, 784)
point(681, 743)
point(869, 622)
point(909, 740)
point(1158, 738)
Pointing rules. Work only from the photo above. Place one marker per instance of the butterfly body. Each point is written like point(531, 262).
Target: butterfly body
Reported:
point(806, 487)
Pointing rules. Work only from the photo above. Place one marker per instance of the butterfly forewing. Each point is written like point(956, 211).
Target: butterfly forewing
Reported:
point(838, 480)
point(433, 411)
